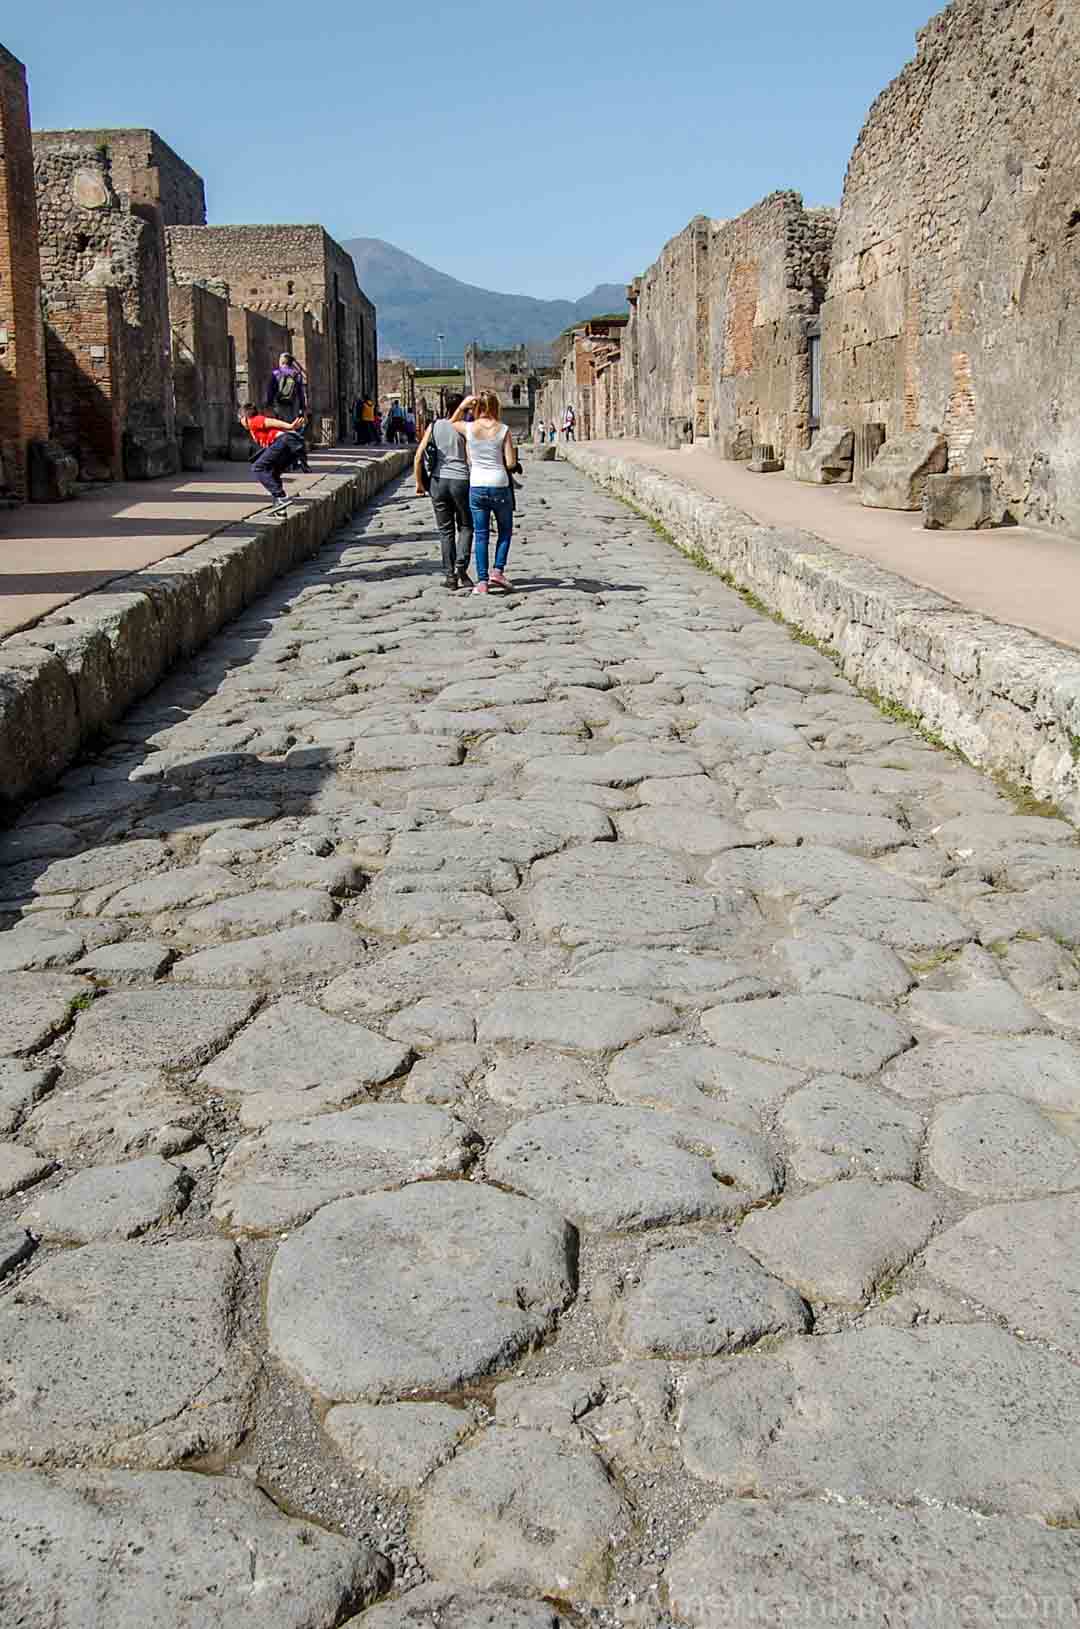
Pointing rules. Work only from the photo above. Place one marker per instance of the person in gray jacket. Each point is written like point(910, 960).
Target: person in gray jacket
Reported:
point(449, 492)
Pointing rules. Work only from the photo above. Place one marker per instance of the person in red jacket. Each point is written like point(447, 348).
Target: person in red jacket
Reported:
point(280, 444)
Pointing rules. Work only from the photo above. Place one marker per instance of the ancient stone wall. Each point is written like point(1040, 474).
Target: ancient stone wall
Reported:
point(768, 270)
point(144, 169)
point(397, 380)
point(203, 367)
point(85, 362)
point(23, 403)
point(672, 339)
point(257, 342)
point(954, 299)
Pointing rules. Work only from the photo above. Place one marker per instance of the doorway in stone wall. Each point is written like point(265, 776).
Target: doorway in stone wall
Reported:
point(813, 344)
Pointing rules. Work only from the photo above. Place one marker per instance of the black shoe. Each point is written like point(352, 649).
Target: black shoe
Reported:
point(463, 578)
point(450, 581)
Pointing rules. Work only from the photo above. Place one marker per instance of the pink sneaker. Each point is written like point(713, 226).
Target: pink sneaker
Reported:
point(498, 580)
point(480, 588)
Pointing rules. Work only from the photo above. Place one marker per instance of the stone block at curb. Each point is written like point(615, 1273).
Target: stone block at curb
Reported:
point(1006, 698)
point(81, 667)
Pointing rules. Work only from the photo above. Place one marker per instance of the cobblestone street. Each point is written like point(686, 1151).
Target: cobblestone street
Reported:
point(557, 1108)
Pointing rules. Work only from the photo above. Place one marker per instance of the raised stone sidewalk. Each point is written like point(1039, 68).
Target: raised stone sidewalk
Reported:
point(1006, 698)
point(78, 668)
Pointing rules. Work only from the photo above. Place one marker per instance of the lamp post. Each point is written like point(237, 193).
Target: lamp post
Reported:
point(441, 339)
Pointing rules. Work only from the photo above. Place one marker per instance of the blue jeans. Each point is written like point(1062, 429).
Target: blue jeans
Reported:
point(485, 501)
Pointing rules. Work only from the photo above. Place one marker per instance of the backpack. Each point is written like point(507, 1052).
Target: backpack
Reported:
point(286, 387)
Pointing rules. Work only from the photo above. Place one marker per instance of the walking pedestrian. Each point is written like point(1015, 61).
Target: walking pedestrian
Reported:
point(491, 453)
point(551, 429)
point(449, 492)
point(568, 424)
point(367, 421)
point(286, 398)
point(279, 442)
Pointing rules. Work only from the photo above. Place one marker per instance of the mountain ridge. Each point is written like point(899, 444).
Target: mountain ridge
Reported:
point(415, 302)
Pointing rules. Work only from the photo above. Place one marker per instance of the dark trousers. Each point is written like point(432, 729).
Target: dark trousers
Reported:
point(453, 516)
point(274, 460)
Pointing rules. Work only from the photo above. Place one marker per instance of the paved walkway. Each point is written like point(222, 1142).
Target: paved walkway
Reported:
point(556, 1094)
point(1017, 575)
point(52, 553)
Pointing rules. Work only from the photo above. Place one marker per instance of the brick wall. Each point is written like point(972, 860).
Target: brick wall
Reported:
point(954, 300)
point(23, 401)
point(671, 338)
point(84, 351)
point(203, 368)
point(257, 342)
point(144, 170)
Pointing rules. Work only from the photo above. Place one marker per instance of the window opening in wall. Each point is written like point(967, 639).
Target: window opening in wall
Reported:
point(289, 288)
point(516, 393)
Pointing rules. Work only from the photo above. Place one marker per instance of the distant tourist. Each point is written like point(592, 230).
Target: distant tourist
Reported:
point(551, 429)
point(377, 425)
point(448, 488)
point(492, 456)
point(280, 442)
point(364, 413)
point(287, 397)
point(410, 426)
point(568, 424)
point(395, 424)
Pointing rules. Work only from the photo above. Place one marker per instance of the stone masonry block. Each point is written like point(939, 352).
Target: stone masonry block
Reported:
point(956, 503)
point(829, 460)
point(897, 477)
point(51, 472)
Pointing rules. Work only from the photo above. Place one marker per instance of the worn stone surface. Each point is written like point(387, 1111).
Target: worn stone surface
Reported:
point(21, 1086)
point(166, 1029)
point(36, 1006)
point(400, 1443)
point(995, 1146)
point(1043, 1069)
point(810, 1032)
point(576, 1021)
point(672, 1074)
point(109, 1202)
point(115, 1115)
point(295, 953)
point(453, 1608)
point(539, 1079)
point(701, 1299)
point(20, 1168)
point(833, 964)
point(836, 1128)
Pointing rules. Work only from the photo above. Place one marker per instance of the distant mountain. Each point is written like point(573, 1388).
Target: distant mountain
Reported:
point(415, 302)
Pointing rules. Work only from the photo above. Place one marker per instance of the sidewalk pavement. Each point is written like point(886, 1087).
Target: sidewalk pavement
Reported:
point(1017, 575)
point(53, 553)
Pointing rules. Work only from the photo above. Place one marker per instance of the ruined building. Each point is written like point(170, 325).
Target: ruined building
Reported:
point(588, 376)
point(24, 415)
point(510, 374)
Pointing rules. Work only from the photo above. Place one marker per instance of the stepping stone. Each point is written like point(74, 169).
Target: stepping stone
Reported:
point(835, 1128)
point(277, 1179)
point(686, 831)
point(453, 1608)
point(522, 1510)
point(148, 1371)
point(855, 1564)
point(95, 1547)
point(835, 964)
point(171, 891)
point(702, 1299)
point(115, 1116)
point(671, 975)
point(399, 1443)
point(294, 1061)
point(37, 944)
point(995, 1009)
point(675, 1074)
point(420, 1290)
point(995, 1146)
point(262, 911)
point(35, 1007)
point(1021, 1262)
point(620, 1169)
point(161, 1028)
point(825, 1033)
point(110, 1202)
point(538, 1079)
point(1041, 1068)
point(620, 766)
point(576, 1021)
point(20, 1168)
point(129, 962)
point(570, 822)
point(952, 1415)
point(838, 1243)
point(907, 924)
point(311, 951)
point(20, 1088)
point(857, 834)
point(813, 875)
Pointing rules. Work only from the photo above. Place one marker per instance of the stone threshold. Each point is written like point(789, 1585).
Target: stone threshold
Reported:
point(1005, 698)
point(83, 665)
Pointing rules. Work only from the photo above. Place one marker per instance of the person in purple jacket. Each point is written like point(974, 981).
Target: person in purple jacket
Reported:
point(286, 399)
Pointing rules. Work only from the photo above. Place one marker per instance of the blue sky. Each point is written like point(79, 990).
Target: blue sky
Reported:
point(533, 148)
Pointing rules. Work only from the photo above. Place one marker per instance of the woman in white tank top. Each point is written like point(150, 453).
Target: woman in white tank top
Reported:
point(492, 455)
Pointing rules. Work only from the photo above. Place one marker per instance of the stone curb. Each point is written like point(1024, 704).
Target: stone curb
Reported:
point(85, 663)
point(1007, 699)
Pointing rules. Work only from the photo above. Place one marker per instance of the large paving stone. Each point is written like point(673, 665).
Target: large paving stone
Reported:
point(907, 924)
point(813, 875)
point(836, 964)
point(162, 1028)
point(619, 766)
point(124, 1354)
point(115, 1115)
point(33, 943)
point(618, 910)
point(705, 1080)
point(537, 1079)
point(618, 1169)
point(173, 890)
point(279, 1178)
point(835, 1128)
point(1021, 1261)
point(685, 830)
point(101, 867)
point(399, 1443)
point(119, 1549)
point(310, 951)
point(417, 913)
point(132, 961)
point(452, 1608)
point(1041, 1068)
point(982, 831)
point(994, 1009)
point(20, 1088)
point(702, 1298)
point(995, 1146)
point(387, 752)
point(827, 1033)
point(522, 1511)
point(34, 1007)
point(109, 1202)
point(413, 972)
point(419, 1290)
point(855, 833)
point(838, 1243)
point(626, 1409)
point(295, 1061)
point(956, 1415)
point(673, 975)
point(572, 1019)
point(20, 1168)
point(570, 822)
point(262, 911)
point(860, 1564)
